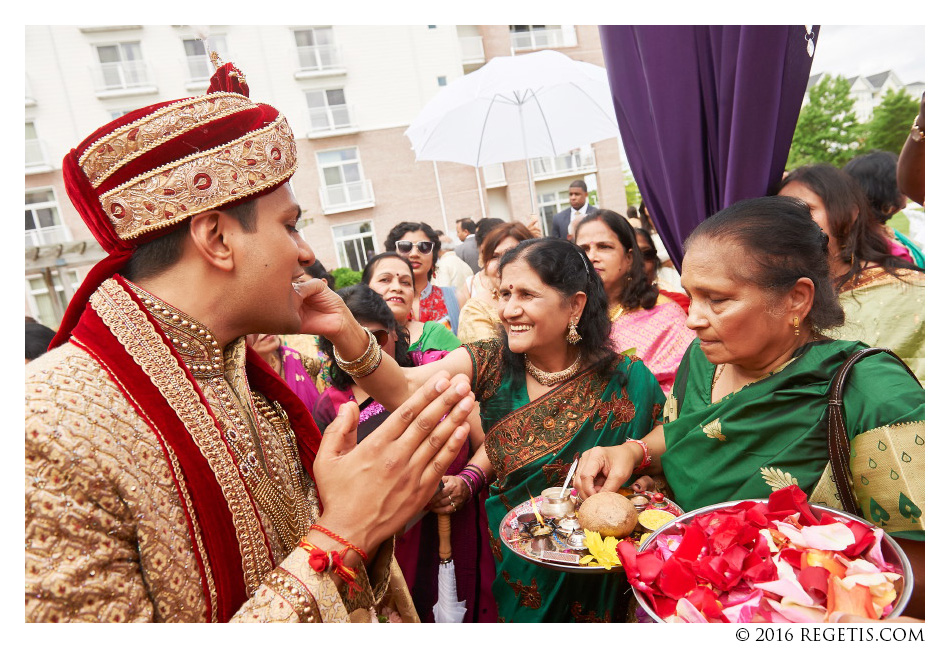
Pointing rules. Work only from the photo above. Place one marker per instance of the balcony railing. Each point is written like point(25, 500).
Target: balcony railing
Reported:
point(537, 39)
point(198, 68)
point(347, 196)
point(317, 58)
point(494, 175)
point(126, 75)
point(472, 49)
point(47, 236)
point(331, 118)
point(563, 165)
point(36, 154)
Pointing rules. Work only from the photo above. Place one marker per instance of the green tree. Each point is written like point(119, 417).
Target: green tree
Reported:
point(632, 190)
point(891, 122)
point(827, 129)
point(345, 277)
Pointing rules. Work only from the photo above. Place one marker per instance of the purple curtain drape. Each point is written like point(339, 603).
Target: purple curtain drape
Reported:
point(706, 114)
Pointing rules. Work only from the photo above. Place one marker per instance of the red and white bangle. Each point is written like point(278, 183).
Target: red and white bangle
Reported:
point(647, 459)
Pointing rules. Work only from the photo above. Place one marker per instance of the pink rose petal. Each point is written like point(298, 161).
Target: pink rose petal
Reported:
point(828, 537)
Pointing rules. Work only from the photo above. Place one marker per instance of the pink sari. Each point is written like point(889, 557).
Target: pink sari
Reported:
point(657, 336)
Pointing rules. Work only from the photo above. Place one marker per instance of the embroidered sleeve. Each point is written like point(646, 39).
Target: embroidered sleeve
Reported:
point(486, 367)
point(295, 593)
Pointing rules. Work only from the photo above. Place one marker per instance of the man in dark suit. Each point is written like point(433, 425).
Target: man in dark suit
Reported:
point(577, 195)
point(468, 250)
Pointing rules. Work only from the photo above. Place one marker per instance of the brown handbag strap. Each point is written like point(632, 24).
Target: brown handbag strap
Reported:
point(839, 446)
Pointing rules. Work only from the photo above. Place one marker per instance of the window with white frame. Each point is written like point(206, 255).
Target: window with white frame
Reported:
point(316, 49)
point(549, 204)
point(43, 224)
point(342, 178)
point(536, 36)
point(199, 66)
point(328, 110)
point(40, 301)
point(121, 66)
point(35, 154)
point(355, 244)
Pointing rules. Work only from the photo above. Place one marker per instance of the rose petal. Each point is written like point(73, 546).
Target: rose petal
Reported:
point(829, 537)
point(792, 533)
point(827, 559)
point(789, 589)
point(856, 600)
point(742, 611)
point(675, 579)
point(692, 544)
point(790, 612)
point(814, 580)
point(688, 612)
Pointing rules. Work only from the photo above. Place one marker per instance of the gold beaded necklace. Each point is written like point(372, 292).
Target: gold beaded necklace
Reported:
point(547, 379)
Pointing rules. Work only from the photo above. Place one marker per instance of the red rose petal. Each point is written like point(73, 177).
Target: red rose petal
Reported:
point(675, 579)
point(814, 580)
point(693, 542)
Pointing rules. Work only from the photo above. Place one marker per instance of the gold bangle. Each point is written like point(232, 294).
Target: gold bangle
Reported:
point(344, 364)
point(366, 363)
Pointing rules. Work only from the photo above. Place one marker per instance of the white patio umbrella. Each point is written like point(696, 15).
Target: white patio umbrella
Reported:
point(515, 108)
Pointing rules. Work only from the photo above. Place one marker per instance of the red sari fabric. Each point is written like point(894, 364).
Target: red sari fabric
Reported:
point(679, 298)
point(432, 307)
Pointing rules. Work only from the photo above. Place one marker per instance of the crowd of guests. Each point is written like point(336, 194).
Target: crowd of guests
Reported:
point(558, 335)
point(589, 345)
point(577, 344)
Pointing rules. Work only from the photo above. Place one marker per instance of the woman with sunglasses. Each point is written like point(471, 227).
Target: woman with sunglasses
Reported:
point(548, 390)
point(420, 245)
point(644, 323)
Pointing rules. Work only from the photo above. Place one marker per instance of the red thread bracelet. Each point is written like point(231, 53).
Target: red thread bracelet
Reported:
point(343, 541)
point(647, 459)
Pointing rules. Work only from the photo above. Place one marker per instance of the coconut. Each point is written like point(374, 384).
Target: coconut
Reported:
point(609, 514)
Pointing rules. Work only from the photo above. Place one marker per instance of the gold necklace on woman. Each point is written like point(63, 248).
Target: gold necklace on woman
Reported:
point(615, 312)
point(547, 379)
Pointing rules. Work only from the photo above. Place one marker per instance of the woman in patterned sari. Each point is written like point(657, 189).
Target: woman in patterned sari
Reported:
point(644, 322)
point(882, 294)
point(747, 411)
point(551, 388)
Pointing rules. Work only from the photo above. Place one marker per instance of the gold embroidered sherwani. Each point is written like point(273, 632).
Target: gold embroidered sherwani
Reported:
point(107, 528)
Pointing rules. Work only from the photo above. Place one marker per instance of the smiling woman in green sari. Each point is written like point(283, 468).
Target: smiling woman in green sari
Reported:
point(548, 390)
point(747, 412)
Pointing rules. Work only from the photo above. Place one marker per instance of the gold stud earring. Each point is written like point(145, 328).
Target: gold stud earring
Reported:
point(795, 323)
point(573, 337)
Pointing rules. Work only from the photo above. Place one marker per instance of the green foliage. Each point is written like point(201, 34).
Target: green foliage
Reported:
point(632, 190)
point(346, 277)
point(891, 122)
point(827, 129)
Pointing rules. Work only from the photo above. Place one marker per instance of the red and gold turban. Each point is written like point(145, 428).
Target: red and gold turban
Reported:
point(139, 176)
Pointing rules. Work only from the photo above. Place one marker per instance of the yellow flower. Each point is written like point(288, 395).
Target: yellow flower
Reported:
point(603, 553)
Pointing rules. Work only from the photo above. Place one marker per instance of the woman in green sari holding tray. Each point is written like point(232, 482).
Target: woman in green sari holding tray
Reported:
point(747, 412)
point(548, 390)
